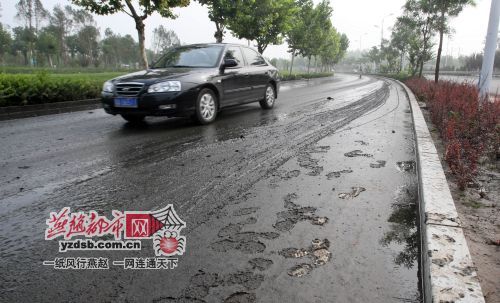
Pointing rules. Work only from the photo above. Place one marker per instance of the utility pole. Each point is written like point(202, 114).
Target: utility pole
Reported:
point(489, 49)
point(382, 30)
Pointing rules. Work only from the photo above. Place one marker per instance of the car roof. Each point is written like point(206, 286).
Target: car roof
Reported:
point(221, 44)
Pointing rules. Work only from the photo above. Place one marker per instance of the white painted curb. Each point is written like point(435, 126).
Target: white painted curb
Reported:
point(448, 273)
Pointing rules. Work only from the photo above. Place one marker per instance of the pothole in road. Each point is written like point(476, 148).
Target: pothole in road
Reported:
point(246, 242)
point(289, 218)
point(201, 283)
point(278, 176)
point(245, 211)
point(300, 270)
point(379, 164)
point(241, 297)
point(260, 263)
point(361, 142)
point(406, 166)
point(289, 200)
point(337, 174)
point(305, 159)
point(355, 191)
point(318, 253)
point(287, 175)
point(357, 153)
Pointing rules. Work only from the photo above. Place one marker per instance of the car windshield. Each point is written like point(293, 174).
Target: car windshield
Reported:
point(190, 56)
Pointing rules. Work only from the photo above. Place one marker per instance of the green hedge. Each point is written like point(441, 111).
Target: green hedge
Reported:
point(285, 76)
point(23, 89)
point(26, 89)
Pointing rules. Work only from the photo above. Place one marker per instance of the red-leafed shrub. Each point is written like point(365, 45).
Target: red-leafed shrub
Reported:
point(469, 126)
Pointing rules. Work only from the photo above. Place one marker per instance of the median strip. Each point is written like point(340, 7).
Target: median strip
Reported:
point(449, 274)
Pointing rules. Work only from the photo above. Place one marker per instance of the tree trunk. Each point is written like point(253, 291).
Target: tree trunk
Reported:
point(261, 48)
point(421, 68)
point(308, 65)
point(440, 49)
point(219, 33)
point(139, 25)
point(291, 65)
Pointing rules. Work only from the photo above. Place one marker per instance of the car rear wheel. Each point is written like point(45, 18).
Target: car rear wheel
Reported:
point(269, 98)
point(206, 106)
point(133, 118)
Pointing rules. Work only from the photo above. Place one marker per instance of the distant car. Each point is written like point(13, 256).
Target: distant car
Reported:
point(194, 81)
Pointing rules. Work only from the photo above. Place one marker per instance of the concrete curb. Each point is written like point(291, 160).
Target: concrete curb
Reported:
point(448, 272)
point(16, 112)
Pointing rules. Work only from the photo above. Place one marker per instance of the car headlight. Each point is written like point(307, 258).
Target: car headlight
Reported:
point(167, 86)
point(108, 87)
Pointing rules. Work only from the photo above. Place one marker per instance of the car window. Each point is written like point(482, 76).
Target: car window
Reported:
point(253, 57)
point(191, 56)
point(235, 53)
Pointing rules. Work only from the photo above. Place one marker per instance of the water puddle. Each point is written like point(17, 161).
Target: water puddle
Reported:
point(406, 166)
point(403, 233)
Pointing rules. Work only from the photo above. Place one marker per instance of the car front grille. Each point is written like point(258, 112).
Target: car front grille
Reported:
point(129, 89)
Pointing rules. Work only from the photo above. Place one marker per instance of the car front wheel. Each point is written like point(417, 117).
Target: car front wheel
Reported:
point(206, 106)
point(269, 98)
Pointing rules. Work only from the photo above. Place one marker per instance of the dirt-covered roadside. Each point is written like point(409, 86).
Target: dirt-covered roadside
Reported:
point(479, 210)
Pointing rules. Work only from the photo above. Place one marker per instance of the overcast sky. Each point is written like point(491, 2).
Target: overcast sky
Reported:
point(359, 19)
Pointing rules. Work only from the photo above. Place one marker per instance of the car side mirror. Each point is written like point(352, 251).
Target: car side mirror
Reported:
point(229, 63)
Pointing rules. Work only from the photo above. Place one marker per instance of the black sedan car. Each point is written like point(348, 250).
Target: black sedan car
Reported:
point(194, 81)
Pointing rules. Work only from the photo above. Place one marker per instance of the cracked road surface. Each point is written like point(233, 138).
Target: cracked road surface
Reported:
point(313, 201)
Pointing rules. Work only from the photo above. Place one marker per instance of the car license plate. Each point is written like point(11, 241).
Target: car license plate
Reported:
point(126, 102)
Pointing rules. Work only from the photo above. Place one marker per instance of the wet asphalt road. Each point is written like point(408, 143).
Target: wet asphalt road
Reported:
point(313, 201)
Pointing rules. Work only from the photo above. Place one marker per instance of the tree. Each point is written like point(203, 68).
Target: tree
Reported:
point(139, 12)
point(23, 41)
point(5, 42)
point(418, 14)
point(329, 49)
point(118, 50)
point(344, 45)
point(443, 10)
point(46, 44)
point(164, 39)
point(61, 23)
point(88, 45)
point(317, 26)
point(31, 11)
point(374, 55)
point(219, 12)
point(265, 21)
point(296, 34)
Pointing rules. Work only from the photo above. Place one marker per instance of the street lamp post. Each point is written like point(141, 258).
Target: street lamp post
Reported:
point(382, 30)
